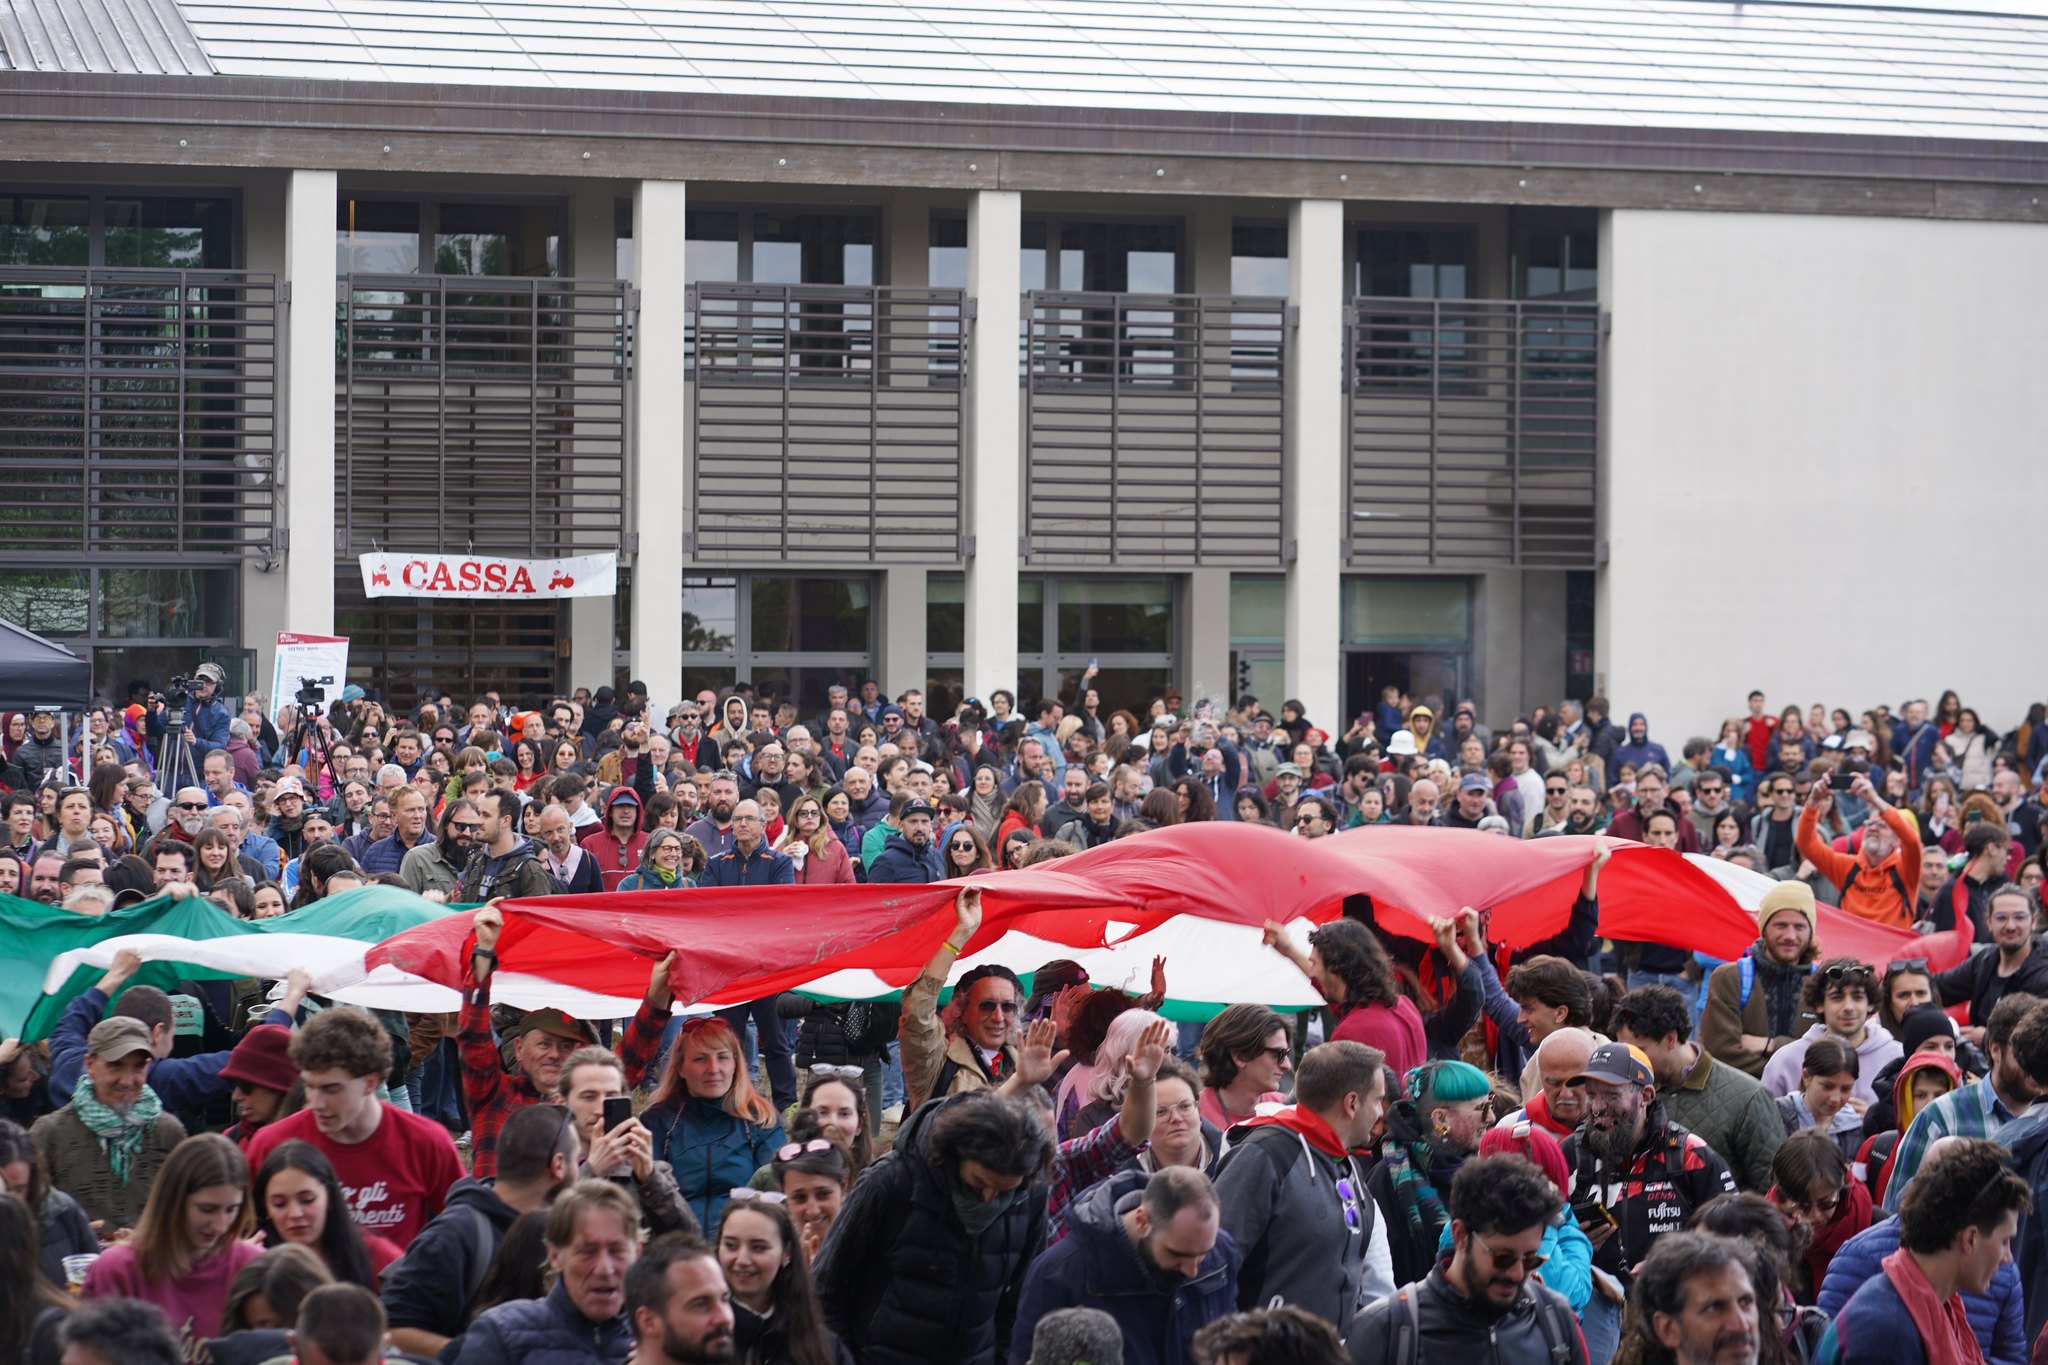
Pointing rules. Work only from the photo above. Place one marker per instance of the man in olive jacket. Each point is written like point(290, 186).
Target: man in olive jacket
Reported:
point(1729, 1111)
point(1752, 1005)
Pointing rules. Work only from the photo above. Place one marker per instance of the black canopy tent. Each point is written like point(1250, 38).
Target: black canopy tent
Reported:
point(34, 672)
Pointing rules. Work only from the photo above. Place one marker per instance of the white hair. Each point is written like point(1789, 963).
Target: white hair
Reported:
point(1113, 1058)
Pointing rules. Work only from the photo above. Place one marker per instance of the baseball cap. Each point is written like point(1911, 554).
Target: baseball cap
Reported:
point(917, 807)
point(1473, 782)
point(1288, 770)
point(212, 672)
point(553, 1021)
point(288, 786)
point(1617, 1064)
point(262, 1059)
point(118, 1037)
point(46, 711)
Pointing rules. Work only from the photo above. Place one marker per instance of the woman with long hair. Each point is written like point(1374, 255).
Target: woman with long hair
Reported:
point(1025, 809)
point(965, 852)
point(1162, 806)
point(1093, 1094)
point(1970, 746)
point(190, 1242)
point(1827, 1082)
point(213, 859)
point(985, 801)
point(61, 1223)
point(776, 1317)
point(1193, 800)
point(807, 838)
point(31, 1307)
point(266, 1296)
point(299, 1200)
point(1016, 847)
point(707, 1120)
point(838, 1101)
point(565, 757)
point(1352, 970)
point(526, 757)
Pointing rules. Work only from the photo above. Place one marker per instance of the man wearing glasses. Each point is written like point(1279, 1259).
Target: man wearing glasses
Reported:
point(1313, 818)
point(980, 1050)
point(1553, 813)
point(2019, 966)
point(1487, 1301)
point(437, 866)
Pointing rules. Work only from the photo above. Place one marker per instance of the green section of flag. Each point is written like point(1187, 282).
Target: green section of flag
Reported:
point(33, 935)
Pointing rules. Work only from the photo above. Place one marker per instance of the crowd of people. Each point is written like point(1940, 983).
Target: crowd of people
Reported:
point(1569, 1152)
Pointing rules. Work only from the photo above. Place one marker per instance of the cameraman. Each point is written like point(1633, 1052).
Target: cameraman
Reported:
point(206, 715)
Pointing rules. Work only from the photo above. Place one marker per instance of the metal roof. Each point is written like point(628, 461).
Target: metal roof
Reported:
point(149, 37)
point(1641, 63)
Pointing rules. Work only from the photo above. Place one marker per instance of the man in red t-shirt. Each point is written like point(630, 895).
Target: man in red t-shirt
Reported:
point(394, 1166)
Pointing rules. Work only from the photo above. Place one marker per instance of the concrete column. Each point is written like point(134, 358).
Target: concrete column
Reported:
point(263, 591)
point(593, 255)
point(1316, 505)
point(1205, 640)
point(910, 238)
point(901, 640)
point(1209, 229)
point(309, 208)
point(994, 229)
point(1497, 646)
point(658, 416)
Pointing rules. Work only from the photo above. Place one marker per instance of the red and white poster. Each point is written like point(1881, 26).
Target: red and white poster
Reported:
point(491, 578)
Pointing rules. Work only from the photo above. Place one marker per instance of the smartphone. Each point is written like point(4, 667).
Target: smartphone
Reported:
point(617, 1110)
point(1592, 1213)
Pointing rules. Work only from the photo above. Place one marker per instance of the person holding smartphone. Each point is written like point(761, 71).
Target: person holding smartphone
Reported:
point(616, 1145)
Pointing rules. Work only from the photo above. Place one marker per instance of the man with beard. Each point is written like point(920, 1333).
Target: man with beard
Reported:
point(2019, 966)
point(1485, 1300)
point(1072, 805)
point(1147, 1250)
point(713, 829)
point(1752, 1005)
point(46, 877)
point(1730, 1111)
point(909, 855)
point(1582, 813)
point(768, 766)
point(1636, 1176)
point(1695, 1305)
point(679, 1304)
point(42, 752)
point(437, 866)
point(1880, 882)
point(686, 733)
point(184, 819)
point(2016, 1041)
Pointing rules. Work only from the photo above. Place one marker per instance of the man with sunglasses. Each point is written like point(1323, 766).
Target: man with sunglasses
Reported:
point(979, 1051)
point(1485, 1301)
point(437, 866)
point(1553, 813)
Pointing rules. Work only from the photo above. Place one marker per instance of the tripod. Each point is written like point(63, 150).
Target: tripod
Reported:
point(175, 765)
point(313, 738)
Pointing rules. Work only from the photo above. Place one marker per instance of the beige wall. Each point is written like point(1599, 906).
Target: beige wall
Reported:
point(1822, 434)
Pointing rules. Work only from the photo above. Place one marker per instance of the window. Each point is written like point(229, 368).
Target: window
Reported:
point(1557, 256)
point(131, 621)
point(1124, 625)
point(1403, 263)
point(44, 230)
point(521, 238)
point(792, 638)
point(1120, 257)
point(171, 233)
point(1407, 611)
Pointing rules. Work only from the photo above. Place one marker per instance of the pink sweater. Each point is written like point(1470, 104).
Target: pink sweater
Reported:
point(1394, 1029)
point(193, 1303)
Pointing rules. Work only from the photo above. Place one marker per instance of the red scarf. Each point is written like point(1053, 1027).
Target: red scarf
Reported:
point(1538, 1110)
point(1944, 1326)
point(1311, 1125)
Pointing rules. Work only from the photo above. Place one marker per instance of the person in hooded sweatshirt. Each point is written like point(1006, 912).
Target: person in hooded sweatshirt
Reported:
point(1639, 749)
point(732, 724)
point(617, 845)
point(1842, 994)
point(427, 1292)
point(1149, 1250)
point(1922, 1079)
point(1293, 1190)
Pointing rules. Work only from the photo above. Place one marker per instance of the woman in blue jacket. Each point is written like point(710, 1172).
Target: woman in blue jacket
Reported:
point(708, 1121)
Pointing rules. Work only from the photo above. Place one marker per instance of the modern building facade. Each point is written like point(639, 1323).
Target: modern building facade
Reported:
point(1652, 347)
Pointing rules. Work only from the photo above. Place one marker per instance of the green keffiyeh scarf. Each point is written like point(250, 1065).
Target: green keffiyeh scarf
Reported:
point(120, 1134)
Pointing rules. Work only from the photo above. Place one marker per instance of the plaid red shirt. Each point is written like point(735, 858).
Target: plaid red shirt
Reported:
point(1082, 1162)
point(494, 1093)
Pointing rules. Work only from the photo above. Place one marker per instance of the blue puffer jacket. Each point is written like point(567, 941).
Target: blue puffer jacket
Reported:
point(547, 1331)
point(713, 1152)
point(1094, 1267)
point(1996, 1316)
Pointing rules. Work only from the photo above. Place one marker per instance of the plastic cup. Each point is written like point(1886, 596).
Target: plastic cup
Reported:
point(75, 1268)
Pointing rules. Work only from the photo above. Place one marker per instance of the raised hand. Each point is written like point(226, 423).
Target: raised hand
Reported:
point(1150, 1050)
point(1036, 1061)
point(488, 925)
point(1159, 977)
point(967, 912)
point(659, 993)
point(127, 962)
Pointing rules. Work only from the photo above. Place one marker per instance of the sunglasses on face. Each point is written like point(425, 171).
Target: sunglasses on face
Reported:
point(191, 805)
point(962, 846)
point(1532, 1261)
point(990, 1007)
point(465, 827)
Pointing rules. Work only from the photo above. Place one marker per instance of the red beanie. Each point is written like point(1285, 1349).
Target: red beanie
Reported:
point(1537, 1145)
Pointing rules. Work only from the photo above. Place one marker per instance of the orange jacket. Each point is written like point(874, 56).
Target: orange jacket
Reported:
point(1886, 893)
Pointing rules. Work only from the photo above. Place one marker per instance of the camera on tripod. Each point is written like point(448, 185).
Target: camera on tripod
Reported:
point(312, 692)
point(176, 696)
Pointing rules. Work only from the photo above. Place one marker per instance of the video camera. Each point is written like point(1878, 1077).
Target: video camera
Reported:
point(312, 692)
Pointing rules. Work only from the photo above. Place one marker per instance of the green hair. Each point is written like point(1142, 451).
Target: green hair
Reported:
point(1447, 1082)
